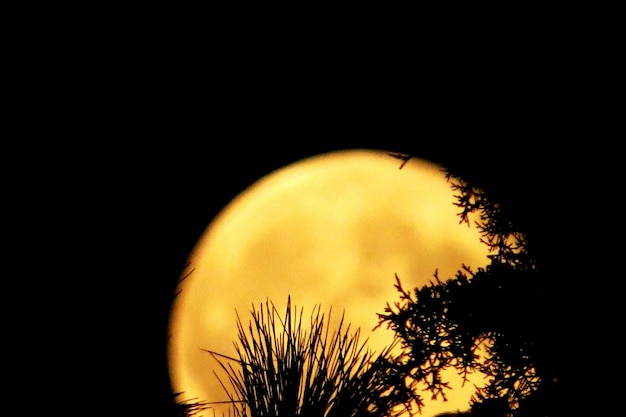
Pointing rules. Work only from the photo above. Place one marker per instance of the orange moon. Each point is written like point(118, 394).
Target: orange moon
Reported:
point(330, 230)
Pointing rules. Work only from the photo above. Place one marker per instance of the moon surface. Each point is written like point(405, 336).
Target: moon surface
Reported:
point(330, 230)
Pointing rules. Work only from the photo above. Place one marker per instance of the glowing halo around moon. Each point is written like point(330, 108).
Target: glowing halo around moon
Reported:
point(329, 230)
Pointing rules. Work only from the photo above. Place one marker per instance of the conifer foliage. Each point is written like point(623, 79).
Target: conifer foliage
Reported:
point(493, 320)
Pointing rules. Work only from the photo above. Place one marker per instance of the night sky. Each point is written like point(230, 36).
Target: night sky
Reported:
point(165, 139)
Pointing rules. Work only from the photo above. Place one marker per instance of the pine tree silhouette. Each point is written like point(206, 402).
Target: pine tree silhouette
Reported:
point(504, 309)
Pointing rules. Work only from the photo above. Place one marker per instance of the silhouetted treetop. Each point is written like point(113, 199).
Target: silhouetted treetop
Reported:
point(497, 320)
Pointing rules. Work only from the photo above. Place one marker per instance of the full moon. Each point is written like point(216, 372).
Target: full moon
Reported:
point(331, 230)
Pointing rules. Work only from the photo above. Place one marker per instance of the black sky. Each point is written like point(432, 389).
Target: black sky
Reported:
point(153, 141)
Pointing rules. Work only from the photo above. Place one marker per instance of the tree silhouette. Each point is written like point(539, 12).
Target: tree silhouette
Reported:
point(285, 369)
point(503, 309)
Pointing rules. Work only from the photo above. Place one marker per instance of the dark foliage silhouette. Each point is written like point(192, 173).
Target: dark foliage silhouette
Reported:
point(188, 407)
point(494, 320)
point(288, 368)
point(457, 414)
